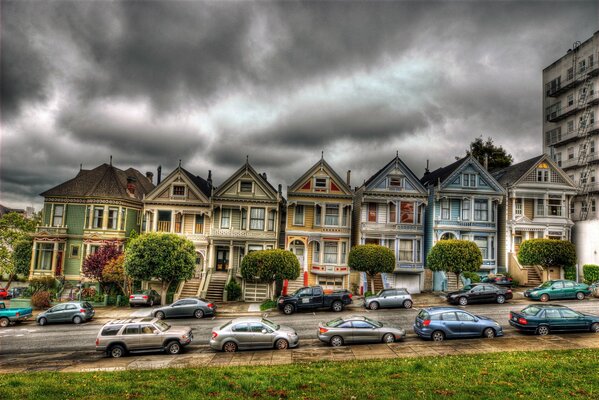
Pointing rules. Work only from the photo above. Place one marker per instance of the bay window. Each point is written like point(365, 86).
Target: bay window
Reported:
point(98, 217)
point(331, 216)
point(330, 252)
point(407, 212)
point(392, 213)
point(298, 216)
point(257, 219)
point(406, 250)
point(481, 242)
point(225, 218)
point(57, 217)
point(465, 209)
point(481, 210)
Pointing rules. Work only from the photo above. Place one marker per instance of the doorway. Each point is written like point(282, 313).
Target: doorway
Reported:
point(222, 259)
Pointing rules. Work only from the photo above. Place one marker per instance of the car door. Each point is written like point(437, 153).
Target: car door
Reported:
point(489, 293)
point(569, 291)
point(573, 321)
point(468, 324)
point(317, 298)
point(364, 331)
point(384, 298)
point(554, 319)
point(131, 336)
point(69, 312)
point(55, 314)
point(345, 330)
point(262, 336)
point(188, 308)
point(176, 309)
point(148, 339)
point(476, 294)
point(450, 323)
point(241, 332)
point(557, 290)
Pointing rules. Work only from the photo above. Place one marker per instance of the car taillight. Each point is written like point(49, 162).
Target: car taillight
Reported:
point(145, 297)
point(131, 297)
point(97, 341)
point(210, 305)
point(511, 316)
point(82, 310)
point(351, 295)
point(323, 330)
point(426, 322)
point(214, 335)
point(509, 291)
point(522, 321)
point(18, 314)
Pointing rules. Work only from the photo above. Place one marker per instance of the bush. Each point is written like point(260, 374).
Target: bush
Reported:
point(41, 299)
point(570, 272)
point(267, 305)
point(88, 293)
point(233, 290)
point(369, 293)
point(43, 284)
point(473, 276)
point(590, 273)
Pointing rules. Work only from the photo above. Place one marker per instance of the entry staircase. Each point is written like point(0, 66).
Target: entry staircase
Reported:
point(190, 288)
point(293, 285)
point(453, 283)
point(216, 286)
point(534, 279)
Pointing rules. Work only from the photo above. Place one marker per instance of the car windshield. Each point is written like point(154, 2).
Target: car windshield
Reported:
point(225, 325)
point(546, 284)
point(334, 322)
point(270, 324)
point(531, 310)
point(162, 326)
point(423, 315)
point(146, 292)
point(379, 293)
point(373, 322)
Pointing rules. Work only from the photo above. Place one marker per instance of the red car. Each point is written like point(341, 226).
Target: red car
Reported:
point(3, 293)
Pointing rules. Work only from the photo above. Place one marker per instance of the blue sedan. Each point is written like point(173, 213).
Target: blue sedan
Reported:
point(438, 323)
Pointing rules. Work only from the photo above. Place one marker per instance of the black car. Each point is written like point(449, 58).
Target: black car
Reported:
point(544, 318)
point(480, 293)
point(313, 297)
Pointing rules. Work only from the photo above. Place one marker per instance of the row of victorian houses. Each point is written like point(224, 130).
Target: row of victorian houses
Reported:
point(320, 219)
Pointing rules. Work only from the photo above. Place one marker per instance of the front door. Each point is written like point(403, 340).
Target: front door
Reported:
point(222, 259)
point(59, 263)
point(517, 241)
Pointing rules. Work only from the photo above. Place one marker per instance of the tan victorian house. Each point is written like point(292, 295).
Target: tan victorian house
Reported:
point(318, 229)
point(539, 197)
point(180, 204)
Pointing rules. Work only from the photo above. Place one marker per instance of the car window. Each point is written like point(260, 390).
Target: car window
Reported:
point(401, 292)
point(256, 327)
point(177, 303)
point(361, 325)
point(569, 285)
point(449, 316)
point(270, 324)
point(111, 330)
point(549, 313)
point(467, 287)
point(334, 323)
point(423, 314)
point(373, 322)
point(147, 329)
point(305, 292)
point(87, 305)
point(569, 314)
point(59, 307)
point(345, 324)
point(478, 289)
point(546, 284)
point(240, 328)
point(558, 285)
point(531, 310)
point(462, 316)
point(131, 330)
point(71, 307)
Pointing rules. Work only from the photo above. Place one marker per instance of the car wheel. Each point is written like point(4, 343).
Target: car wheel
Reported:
point(198, 314)
point(131, 305)
point(438, 336)
point(116, 351)
point(77, 320)
point(336, 341)
point(543, 330)
point(4, 322)
point(595, 327)
point(160, 315)
point(407, 304)
point(288, 309)
point(580, 296)
point(230, 347)
point(489, 333)
point(463, 301)
point(337, 306)
point(43, 321)
point(500, 299)
point(545, 298)
point(374, 305)
point(389, 338)
point(173, 348)
point(281, 344)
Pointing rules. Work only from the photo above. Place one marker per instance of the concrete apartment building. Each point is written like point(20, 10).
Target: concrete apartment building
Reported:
point(571, 135)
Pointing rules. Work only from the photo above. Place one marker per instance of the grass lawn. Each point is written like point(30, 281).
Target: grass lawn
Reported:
point(531, 375)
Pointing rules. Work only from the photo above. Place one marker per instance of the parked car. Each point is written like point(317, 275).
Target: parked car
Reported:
point(389, 298)
point(16, 292)
point(144, 298)
point(357, 329)
point(119, 337)
point(3, 293)
point(313, 297)
point(499, 280)
point(479, 293)
point(75, 312)
point(253, 333)
point(12, 315)
point(558, 289)
point(544, 318)
point(439, 323)
point(188, 307)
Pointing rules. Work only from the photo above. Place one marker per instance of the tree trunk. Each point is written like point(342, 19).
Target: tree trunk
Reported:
point(372, 283)
point(457, 280)
point(164, 292)
point(10, 278)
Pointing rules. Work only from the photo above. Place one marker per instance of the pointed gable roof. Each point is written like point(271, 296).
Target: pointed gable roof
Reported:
point(441, 173)
point(383, 172)
point(201, 185)
point(103, 181)
point(200, 182)
point(447, 174)
point(513, 174)
point(258, 178)
point(321, 164)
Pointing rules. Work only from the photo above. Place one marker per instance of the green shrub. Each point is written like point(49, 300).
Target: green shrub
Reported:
point(369, 293)
point(267, 305)
point(88, 293)
point(590, 273)
point(473, 276)
point(570, 272)
point(41, 299)
point(46, 283)
point(233, 290)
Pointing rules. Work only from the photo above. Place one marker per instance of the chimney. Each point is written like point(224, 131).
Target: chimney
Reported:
point(348, 179)
point(486, 164)
point(209, 180)
point(131, 184)
point(264, 176)
point(280, 189)
point(159, 175)
point(426, 170)
point(150, 176)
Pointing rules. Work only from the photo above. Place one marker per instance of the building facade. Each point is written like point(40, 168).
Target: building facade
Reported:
point(463, 201)
point(539, 196)
point(389, 211)
point(318, 227)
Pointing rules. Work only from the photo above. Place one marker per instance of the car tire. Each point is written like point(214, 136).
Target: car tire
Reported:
point(77, 320)
point(281, 344)
point(337, 306)
point(42, 321)
point(438, 336)
point(408, 304)
point(159, 315)
point(462, 301)
point(388, 338)
point(230, 347)
point(199, 314)
point(116, 351)
point(543, 330)
point(500, 299)
point(131, 305)
point(288, 309)
point(489, 333)
point(373, 306)
point(336, 341)
point(173, 348)
point(4, 322)
point(580, 296)
point(595, 327)
point(544, 298)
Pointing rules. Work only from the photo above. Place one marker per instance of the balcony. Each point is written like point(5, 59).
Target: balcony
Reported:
point(329, 270)
point(244, 234)
point(465, 224)
point(51, 231)
point(390, 227)
point(567, 84)
point(163, 226)
point(102, 234)
point(408, 267)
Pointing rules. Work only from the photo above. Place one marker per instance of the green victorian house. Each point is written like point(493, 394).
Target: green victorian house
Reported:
point(98, 206)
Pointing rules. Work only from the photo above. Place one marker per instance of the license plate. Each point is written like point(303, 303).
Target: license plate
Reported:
point(137, 297)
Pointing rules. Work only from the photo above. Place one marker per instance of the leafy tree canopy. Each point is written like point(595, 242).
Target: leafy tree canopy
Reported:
point(270, 265)
point(547, 253)
point(94, 264)
point(497, 156)
point(15, 244)
point(371, 259)
point(455, 256)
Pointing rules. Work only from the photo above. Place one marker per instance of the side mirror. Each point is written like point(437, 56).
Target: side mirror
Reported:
point(475, 319)
point(156, 331)
point(264, 331)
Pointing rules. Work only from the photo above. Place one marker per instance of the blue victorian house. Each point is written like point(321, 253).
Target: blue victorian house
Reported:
point(463, 200)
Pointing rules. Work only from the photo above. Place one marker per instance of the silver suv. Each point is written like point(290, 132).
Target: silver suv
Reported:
point(389, 298)
point(116, 338)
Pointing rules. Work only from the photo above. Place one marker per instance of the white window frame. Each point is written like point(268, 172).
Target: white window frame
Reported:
point(257, 216)
point(317, 187)
point(56, 216)
point(241, 183)
point(403, 252)
point(332, 216)
point(297, 213)
point(178, 185)
point(225, 215)
point(466, 210)
point(482, 210)
point(327, 256)
point(445, 211)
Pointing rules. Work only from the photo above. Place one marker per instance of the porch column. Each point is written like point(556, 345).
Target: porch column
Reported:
point(230, 266)
point(210, 264)
point(155, 221)
point(119, 218)
point(33, 259)
point(266, 219)
point(514, 207)
point(90, 220)
point(172, 225)
point(54, 256)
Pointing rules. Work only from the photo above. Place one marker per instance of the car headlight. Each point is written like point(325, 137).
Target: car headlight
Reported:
point(534, 293)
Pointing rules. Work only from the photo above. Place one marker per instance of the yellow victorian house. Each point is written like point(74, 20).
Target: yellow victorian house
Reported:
point(318, 228)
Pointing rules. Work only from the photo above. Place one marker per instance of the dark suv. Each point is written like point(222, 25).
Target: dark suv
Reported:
point(119, 337)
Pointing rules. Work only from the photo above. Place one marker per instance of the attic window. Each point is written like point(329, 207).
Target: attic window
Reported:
point(320, 184)
point(542, 174)
point(395, 183)
point(245, 186)
point(178, 190)
point(469, 180)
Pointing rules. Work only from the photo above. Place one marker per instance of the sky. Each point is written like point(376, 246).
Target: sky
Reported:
point(211, 82)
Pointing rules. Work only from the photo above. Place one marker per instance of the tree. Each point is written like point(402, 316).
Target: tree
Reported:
point(497, 157)
point(547, 253)
point(270, 266)
point(371, 259)
point(94, 264)
point(15, 245)
point(163, 256)
point(114, 272)
point(455, 256)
